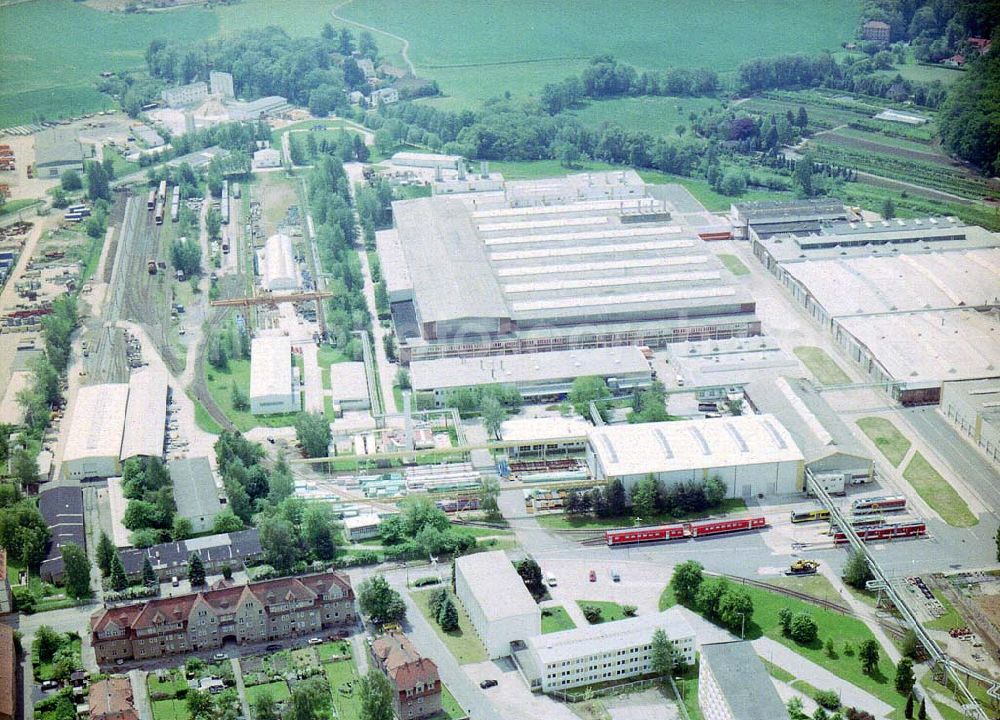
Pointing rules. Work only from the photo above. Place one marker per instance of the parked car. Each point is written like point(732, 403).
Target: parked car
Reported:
point(272, 648)
point(50, 685)
point(315, 641)
point(219, 657)
point(615, 577)
point(488, 684)
point(593, 576)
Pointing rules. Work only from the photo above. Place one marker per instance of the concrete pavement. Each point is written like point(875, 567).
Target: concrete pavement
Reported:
point(140, 694)
point(241, 688)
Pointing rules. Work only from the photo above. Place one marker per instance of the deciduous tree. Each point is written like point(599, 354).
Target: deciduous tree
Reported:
point(76, 571)
point(686, 581)
point(375, 694)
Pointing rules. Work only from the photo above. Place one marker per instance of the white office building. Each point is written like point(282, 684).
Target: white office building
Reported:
point(272, 387)
point(606, 652)
point(500, 607)
point(349, 386)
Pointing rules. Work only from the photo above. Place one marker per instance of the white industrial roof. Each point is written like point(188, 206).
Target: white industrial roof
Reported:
point(421, 159)
point(348, 381)
point(692, 444)
point(98, 422)
point(928, 348)
point(279, 271)
point(270, 366)
point(145, 414)
point(526, 367)
point(361, 521)
point(543, 428)
point(497, 588)
point(609, 637)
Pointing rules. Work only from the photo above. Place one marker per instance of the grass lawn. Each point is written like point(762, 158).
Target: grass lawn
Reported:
point(734, 264)
point(43, 671)
point(556, 618)
point(815, 586)
point(449, 705)
point(890, 442)
point(220, 384)
point(170, 710)
point(950, 619)
point(171, 684)
point(610, 611)
point(205, 421)
point(564, 522)
point(479, 532)
point(480, 50)
point(821, 365)
point(937, 493)
point(343, 678)
point(277, 691)
point(12, 206)
point(462, 643)
point(657, 115)
point(333, 649)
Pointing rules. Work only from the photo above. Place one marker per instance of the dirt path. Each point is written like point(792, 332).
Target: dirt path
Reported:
point(406, 43)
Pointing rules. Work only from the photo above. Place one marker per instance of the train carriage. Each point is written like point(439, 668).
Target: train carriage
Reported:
point(889, 503)
point(662, 533)
point(884, 532)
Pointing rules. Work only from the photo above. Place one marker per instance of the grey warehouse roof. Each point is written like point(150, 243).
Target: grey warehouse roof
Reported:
point(57, 147)
point(145, 413)
point(744, 681)
point(526, 367)
point(195, 491)
point(496, 586)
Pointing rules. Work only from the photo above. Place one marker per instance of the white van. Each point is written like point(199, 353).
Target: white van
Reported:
point(550, 579)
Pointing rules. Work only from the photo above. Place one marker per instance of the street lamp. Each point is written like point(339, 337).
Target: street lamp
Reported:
point(743, 619)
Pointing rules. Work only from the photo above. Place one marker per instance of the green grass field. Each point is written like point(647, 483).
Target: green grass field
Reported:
point(55, 50)
point(220, 385)
point(890, 442)
point(815, 586)
point(170, 710)
point(480, 50)
point(950, 619)
point(734, 265)
point(938, 493)
point(277, 691)
point(610, 611)
point(463, 643)
point(556, 619)
point(821, 365)
point(657, 115)
point(450, 706)
point(343, 678)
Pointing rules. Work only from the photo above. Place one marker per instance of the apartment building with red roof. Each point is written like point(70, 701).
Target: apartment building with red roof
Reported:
point(414, 678)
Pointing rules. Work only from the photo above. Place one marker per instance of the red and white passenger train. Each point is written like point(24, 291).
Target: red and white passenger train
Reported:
point(681, 531)
point(884, 532)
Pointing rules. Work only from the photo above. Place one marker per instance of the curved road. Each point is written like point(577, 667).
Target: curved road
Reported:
point(406, 43)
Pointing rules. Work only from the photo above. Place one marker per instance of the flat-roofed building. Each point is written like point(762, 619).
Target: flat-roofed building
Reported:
point(118, 504)
point(182, 95)
point(537, 376)
point(769, 217)
point(545, 436)
point(500, 607)
point(974, 408)
point(62, 510)
point(751, 454)
point(221, 83)
point(719, 370)
point(8, 674)
point(604, 653)
point(733, 684)
point(361, 527)
point(278, 268)
point(266, 158)
point(349, 386)
point(272, 388)
point(145, 414)
point(912, 301)
point(582, 262)
point(94, 442)
point(196, 494)
point(56, 151)
point(426, 160)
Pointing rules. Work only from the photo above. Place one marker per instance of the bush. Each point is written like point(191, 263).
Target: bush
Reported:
point(425, 581)
point(629, 610)
point(827, 699)
point(803, 629)
point(592, 613)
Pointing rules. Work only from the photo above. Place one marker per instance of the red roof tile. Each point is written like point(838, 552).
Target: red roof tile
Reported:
point(8, 689)
point(111, 699)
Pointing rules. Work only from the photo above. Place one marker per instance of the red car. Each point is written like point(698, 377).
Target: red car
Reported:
point(593, 576)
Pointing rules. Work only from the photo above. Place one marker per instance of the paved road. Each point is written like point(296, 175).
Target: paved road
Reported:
point(241, 688)
point(140, 694)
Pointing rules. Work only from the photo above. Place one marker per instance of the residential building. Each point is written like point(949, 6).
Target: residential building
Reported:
point(221, 84)
point(96, 427)
point(9, 674)
point(751, 454)
point(367, 67)
point(254, 613)
point(877, 31)
point(191, 94)
point(197, 496)
point(272, 387)
point(111, 699)
point(254, 110)
point(974, 408)
point(733, 684)
point(349, 386)
point(62, 510)
point(56, 151)
point(235, 550)
point(414, 678)
point(145, 414)
point(6, 597)
point(384, 96)
point(500, 607)
point(606, 652)
point(538, 376)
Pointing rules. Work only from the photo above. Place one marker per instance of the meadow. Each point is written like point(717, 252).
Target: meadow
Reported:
point(656, 115)
point(480, 50)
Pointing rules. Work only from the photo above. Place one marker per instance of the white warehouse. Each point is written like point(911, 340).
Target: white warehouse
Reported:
point(499, 605)
point(751, 454)
point(607, 652)
point(272, 387)
point(277, 267)
point(94, 441)
point(145, 414)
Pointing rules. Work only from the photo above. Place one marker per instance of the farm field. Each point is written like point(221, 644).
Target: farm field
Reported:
point(519, 45)
point(40, 76)
point(656, 115)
